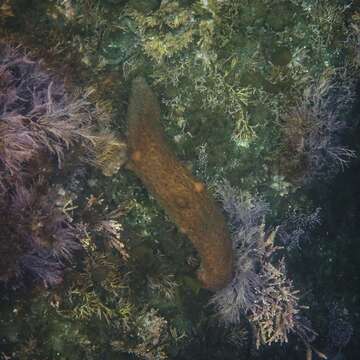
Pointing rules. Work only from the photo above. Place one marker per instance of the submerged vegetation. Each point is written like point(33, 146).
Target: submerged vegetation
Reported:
point(261, 108)
point(259, 289)
point(312, 129)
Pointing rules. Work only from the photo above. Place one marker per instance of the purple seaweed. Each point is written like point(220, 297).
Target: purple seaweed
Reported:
point(36, 115)
point(260, 288)
point(39, 124)
point(43, 234)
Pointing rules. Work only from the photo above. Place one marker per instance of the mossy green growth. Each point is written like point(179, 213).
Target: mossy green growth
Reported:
point(144, 6)
point(225, 72)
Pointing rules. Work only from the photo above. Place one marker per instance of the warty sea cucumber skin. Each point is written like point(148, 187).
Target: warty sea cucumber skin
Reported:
point(183, 197)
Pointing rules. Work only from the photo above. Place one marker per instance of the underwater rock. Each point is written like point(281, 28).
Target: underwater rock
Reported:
point(183, 197)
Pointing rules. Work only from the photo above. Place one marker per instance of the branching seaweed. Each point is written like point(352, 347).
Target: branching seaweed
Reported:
point(312, 129)
point(260, 289)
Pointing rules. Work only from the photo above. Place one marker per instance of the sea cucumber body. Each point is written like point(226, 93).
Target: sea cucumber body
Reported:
point(183, 197)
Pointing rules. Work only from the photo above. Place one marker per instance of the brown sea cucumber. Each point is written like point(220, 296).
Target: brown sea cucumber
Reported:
point(183, 197)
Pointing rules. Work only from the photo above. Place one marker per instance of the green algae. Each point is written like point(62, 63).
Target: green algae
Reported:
point(245, 45)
